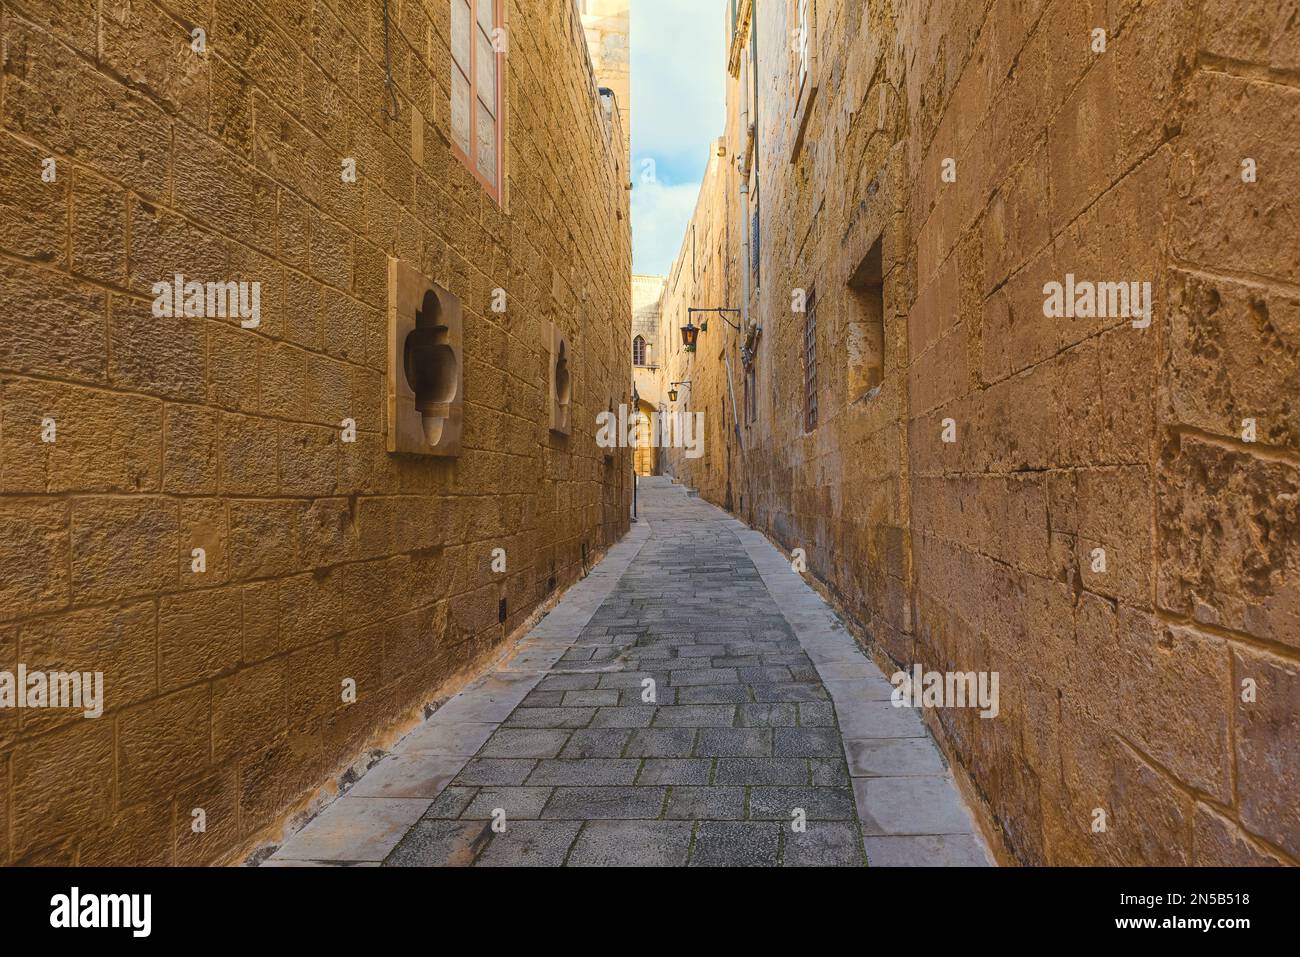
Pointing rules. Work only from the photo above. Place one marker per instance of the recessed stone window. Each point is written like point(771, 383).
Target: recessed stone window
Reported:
point(865, 332)
point(560, 381)
point(810, 392)
point(425, 365)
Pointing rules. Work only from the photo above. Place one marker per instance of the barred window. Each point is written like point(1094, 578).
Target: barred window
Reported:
point(638, 351)
point(810, 364)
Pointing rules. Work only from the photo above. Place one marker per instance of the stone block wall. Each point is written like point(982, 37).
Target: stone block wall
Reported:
point(1114, 527)
point(701, 278)
point(326, 560)
point(608, 28)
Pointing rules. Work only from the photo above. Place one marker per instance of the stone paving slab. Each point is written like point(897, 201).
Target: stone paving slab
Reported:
point(953, 850)
point(893, 757)
point(462, 739)
point(692, 701)
point(632, 844)
point(355, 829)
point(530, 844)
point(409, 775)
point(910, 805)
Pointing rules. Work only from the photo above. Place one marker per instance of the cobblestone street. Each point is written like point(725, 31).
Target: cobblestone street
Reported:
point(692, 701)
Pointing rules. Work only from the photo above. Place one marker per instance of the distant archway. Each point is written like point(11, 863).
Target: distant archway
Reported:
point(646, 459)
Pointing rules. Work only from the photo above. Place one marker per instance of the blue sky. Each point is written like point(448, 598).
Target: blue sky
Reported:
point(678, 109)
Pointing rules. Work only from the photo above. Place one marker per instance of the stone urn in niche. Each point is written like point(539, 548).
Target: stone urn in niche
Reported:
point(425, 365)
point(560, 381)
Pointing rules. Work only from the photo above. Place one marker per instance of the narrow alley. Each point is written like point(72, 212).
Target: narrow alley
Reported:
point(830, 433)
point(691, 701)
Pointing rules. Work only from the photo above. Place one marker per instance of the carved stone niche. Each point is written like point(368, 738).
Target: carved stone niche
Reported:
point(560, 381)
point(425, 365)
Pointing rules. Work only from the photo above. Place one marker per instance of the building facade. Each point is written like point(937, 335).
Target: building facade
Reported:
point(608, 27)
point(1015, 282)
point(647, 378)
point(701, 278)
point(283, 523)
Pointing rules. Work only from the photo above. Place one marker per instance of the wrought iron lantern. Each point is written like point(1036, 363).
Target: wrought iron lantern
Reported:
point(690, 335)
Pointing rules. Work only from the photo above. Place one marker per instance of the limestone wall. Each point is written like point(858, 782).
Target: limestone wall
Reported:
point(327, 561)
point(700, 278)
point(607, 25)
point(1114, 525)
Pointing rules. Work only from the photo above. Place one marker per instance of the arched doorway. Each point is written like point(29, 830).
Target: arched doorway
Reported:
point(646, 459)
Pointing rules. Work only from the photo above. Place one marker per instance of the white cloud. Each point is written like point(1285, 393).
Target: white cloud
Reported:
point(660, 215)
point(678, 78)
point(678, 109)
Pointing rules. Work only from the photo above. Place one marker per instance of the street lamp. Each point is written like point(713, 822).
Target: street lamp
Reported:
point(690, 333)
point(672, 389)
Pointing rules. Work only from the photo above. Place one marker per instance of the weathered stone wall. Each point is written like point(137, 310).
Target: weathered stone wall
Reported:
point(647, 378)
point(647, 303)
point(700, 278)
point(608, 28)
point(1077, 440)
point(325, 560)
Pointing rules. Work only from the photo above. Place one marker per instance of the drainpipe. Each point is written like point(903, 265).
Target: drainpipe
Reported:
point(744, 199)
point(744, 246)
